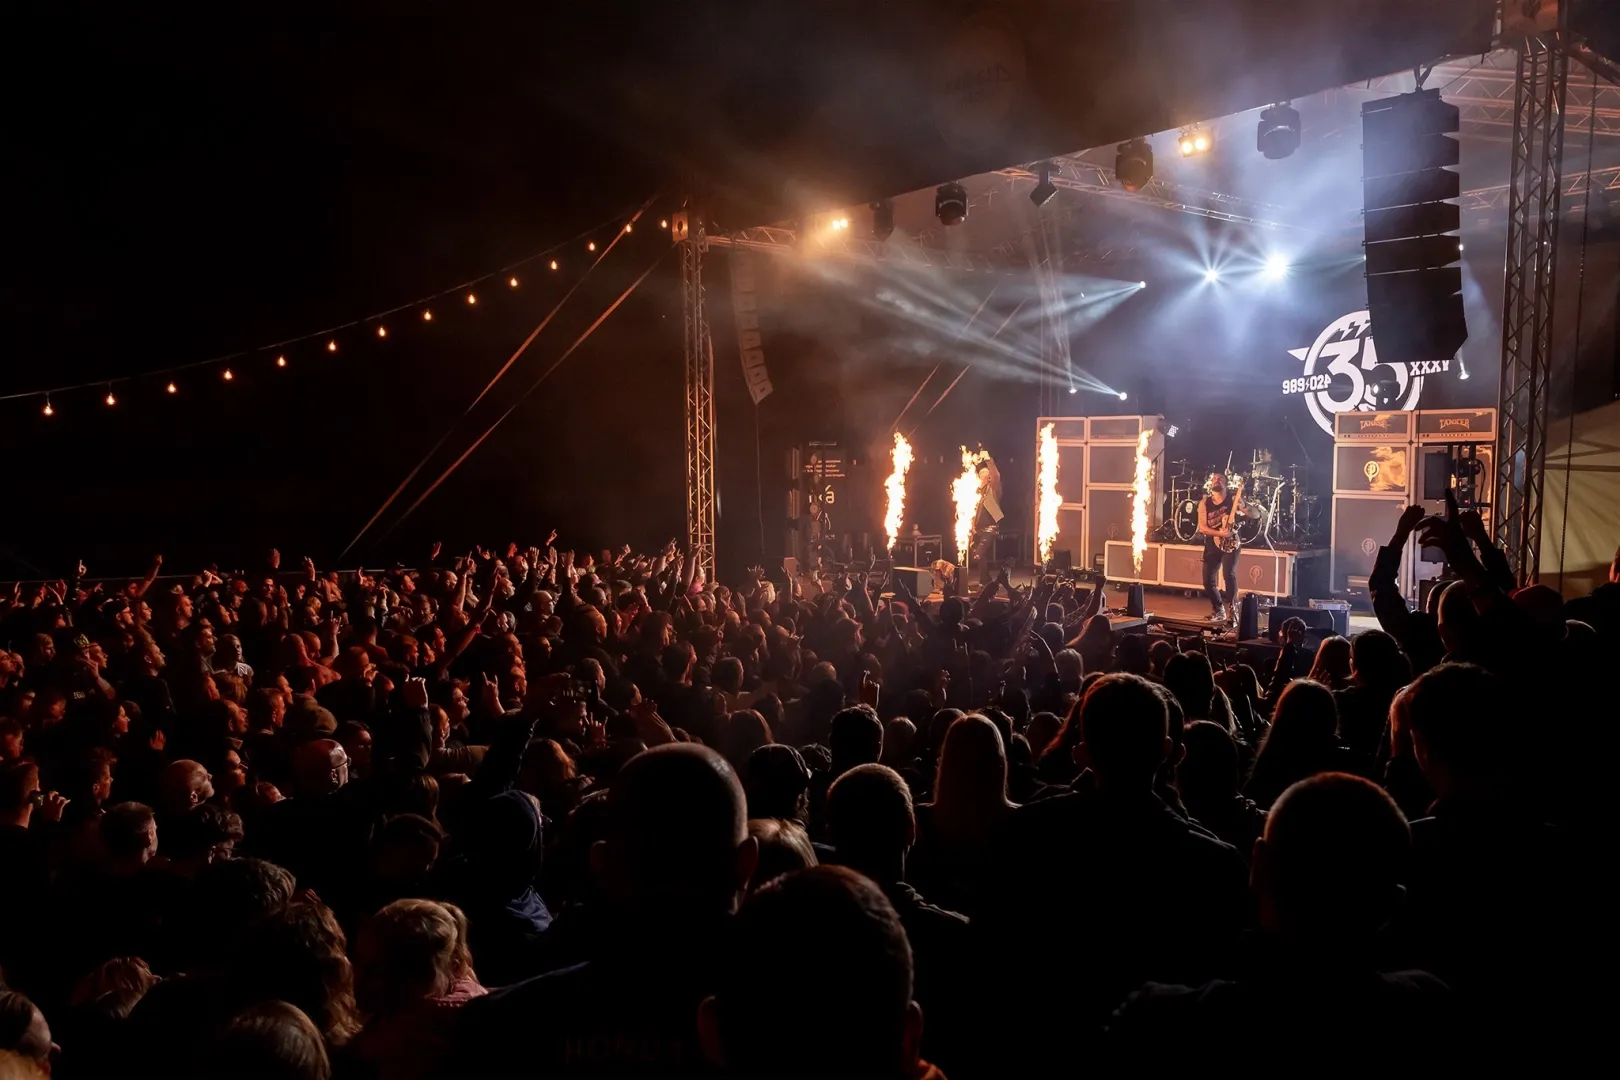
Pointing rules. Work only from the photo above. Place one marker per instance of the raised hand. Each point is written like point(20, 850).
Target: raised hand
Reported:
point(438, 546)
point(52, 805)
point(1410, 519)
point(414, 693)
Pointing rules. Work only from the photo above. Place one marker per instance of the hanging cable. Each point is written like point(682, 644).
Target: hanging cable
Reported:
point(454, 465)
point(1580, 303)
point(521, 349)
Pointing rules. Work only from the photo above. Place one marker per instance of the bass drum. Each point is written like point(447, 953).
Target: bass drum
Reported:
point(1250, 530)
point(1186, 520)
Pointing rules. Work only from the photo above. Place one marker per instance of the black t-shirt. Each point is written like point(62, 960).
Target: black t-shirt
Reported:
point(1216, 515)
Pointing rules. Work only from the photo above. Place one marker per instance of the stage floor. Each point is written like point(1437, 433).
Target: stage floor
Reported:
point(1171, 603)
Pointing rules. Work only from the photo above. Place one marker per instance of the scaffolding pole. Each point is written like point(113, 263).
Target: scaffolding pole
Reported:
point(699, 355)
point(1528, 294)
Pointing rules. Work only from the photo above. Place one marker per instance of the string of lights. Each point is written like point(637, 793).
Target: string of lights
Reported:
point(467, 293)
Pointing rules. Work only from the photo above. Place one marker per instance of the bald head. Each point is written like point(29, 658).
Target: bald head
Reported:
point(184, 784)
point(320, 767)
point(677, 831)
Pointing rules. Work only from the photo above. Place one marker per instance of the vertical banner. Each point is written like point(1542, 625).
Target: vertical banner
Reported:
point(745, 305)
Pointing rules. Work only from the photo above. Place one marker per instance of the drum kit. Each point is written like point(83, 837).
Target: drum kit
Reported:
point(1286, 513)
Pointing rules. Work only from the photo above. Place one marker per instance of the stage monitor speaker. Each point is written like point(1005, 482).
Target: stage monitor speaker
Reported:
point(919, 579)
point(1325, 623)
point(1136, 601)
point(1414, 287)
point(1249, 617)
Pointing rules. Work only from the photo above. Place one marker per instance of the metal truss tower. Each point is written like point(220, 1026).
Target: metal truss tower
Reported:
point(1527, 298)
point(701, 492)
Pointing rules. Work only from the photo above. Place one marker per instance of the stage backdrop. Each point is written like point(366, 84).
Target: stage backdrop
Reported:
point(1234, 369)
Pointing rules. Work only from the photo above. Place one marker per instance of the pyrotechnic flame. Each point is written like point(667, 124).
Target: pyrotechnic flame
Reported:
point(965, 494)
point(894, 515)
point(1047, 466)
point(1140, 500)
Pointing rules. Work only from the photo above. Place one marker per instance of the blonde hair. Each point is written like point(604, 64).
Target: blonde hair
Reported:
point(414, 949)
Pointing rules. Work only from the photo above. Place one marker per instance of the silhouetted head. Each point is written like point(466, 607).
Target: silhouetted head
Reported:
point(1330, 863)
point(1124, 732)
point(842, 1006)
point(677, 832)
point(871, 822)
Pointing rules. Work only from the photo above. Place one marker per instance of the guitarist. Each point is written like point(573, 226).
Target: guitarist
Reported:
point(1217, 523)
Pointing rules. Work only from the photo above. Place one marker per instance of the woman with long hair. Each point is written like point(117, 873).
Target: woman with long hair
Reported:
point(1302, 741)
point(413, 971)
point(970, 799)
point(1331, 667)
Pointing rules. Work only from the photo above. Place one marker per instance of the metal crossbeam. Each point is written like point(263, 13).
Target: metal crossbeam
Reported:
point(699, 355)
point(1534, 189)
point(1572, 196)
point(1077, 174)
point(1485, 91)
point(1007, 258)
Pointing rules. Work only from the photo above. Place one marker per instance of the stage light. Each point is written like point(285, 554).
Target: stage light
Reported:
point(427, 316)
point(882, 220)
point(1044, 189)
point(173, 389)
point(1123, 395)
point(1133, 164)
point(1212, 275)
point(48, 411)
point(1141, 284)
point(627, 227)
point(281, 361)
point(951, 204)
point(331, 346)
point(227, 375)
point(663, 223)
point(1074, 389)
point(1195, 141)
point(1278, 133)
point(382, 331)
point(1276, 267)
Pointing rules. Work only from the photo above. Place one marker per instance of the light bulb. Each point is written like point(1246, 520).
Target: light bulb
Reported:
point(110, 399)
point(427, 316)
point(173, 389)
point(512, 282)
point(48, 410)
point(281, 361)
point(228, 375)
point(554, 264)
point(663, 223)
point(331, 346)
point(627, 227)
point(591, 246)
point(472, 298)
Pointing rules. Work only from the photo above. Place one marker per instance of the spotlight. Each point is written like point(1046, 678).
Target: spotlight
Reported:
point(1133, 164)
point(1276, 268)
point(1195, 141)
point(1141, 284)
point(1123, 395)
point(1074, 389)
point(1212, 275)
point(48, 410)
point(882, 220)
point(1044, 189)
point(951, 204)
point(110, 399)
point(1278, 133)
point(227, 376)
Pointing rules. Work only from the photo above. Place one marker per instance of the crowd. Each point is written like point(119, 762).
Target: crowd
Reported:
point(547, 813)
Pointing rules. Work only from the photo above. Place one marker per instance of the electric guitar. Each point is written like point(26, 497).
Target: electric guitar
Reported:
point(1227, 541)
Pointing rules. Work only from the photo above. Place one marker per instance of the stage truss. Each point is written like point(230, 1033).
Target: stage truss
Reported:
point(698, 349)
point(1528, 293)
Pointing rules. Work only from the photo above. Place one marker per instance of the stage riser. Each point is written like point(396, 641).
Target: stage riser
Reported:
point(1181, 566)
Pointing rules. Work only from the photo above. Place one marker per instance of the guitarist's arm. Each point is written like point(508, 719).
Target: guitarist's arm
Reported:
point(1203, 519)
